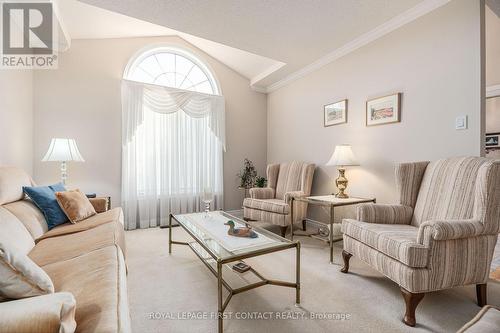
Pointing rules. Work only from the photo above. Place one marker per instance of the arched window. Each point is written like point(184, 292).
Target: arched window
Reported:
point(172, 67)
point(173, 156)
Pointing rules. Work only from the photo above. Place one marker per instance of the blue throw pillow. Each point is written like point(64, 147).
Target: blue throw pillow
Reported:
point(59, 187)
point(45, 199)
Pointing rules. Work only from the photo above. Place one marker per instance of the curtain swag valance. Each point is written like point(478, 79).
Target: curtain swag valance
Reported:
point(137, 95)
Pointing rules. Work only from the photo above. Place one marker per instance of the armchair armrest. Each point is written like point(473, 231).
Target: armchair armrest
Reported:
point(100, 204)
point(293, 194)
point(449, 229)
point(47, 313)
point(384, 214)
point(261, 193)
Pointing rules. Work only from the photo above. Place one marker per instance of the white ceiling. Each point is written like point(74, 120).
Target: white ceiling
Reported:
point(83, 21)
point(302, 34)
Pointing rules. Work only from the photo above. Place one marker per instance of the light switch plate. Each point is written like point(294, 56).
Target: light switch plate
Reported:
point(461, 123)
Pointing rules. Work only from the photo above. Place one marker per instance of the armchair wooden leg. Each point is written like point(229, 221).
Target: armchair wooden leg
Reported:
point(304, 225)
point(283, 231)
point(346, 256)
point(412, 300)
point(481, 294)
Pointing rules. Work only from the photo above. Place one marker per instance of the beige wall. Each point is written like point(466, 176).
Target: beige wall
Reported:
point(493, 115)
point(82, 100)
point(492, 48)
point(16, 118)
point(434, 61)
point(493, 121)
point(492, 74)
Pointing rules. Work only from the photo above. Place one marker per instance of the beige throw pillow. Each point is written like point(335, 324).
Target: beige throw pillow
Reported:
point(75, 205)
point(20, 277)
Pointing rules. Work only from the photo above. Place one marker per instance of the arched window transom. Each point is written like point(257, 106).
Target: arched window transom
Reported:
point(174, 68)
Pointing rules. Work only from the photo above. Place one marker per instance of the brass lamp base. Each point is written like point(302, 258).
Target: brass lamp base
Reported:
point(341, 183)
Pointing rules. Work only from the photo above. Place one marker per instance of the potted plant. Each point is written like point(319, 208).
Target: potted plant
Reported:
point(260, 181)
point(247, 175)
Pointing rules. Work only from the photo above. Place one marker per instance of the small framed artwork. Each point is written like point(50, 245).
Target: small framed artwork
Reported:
point(492, 140)
point(383, 110)
point(336, 113)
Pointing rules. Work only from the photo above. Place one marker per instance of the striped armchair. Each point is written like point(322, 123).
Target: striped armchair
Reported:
point(440, 235)
point(272, 203)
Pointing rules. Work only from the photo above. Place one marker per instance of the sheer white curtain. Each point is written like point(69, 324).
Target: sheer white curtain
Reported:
point(172, 142)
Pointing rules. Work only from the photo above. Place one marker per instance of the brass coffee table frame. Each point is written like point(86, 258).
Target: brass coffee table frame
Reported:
point(287, 244)
point(313, 201)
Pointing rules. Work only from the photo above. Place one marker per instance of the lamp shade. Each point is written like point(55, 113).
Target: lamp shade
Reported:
point(343, 156)
point(62, 150)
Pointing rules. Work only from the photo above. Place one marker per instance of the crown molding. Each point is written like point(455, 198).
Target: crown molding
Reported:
point(258, 89)
point(265, 73)
point(406, 17)
point(493, 91)
point(65, 44)
point(494, 6)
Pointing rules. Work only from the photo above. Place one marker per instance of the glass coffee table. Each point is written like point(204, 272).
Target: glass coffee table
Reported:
point(216, 249)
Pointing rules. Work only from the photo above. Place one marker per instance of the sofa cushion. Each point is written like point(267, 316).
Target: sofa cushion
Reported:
point(75, 205)
point(100, 204)
point(64, 247)
point(268, 205)
point(398, 241)
point(45, 199)
point(29, 214)
point(20, 277)
point(47, 313)
point(98, 282)
point(12, 181)
point(115, 214)
point(13, 230)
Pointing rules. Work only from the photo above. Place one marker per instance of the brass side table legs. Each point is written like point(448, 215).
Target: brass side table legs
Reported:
point(326, 201)
point(220, 310)
point(291, 219)
point(332, 219)
point(170, 234)
point(297, 276)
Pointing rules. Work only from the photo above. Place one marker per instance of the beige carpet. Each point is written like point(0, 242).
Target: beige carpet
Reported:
point(170, 285)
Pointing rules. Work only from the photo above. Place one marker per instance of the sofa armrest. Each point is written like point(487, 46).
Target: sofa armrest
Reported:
point(486, 319)
point(384, 214)
point(100, 204)
point(261, 193)
point(47, 313)
point(449, 229)
point(293, 194)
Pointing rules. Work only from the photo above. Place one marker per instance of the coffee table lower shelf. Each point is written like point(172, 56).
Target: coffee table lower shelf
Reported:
point(217, 265)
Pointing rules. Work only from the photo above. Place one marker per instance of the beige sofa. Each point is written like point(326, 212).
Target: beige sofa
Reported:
point(486, 321)
point(84, 260)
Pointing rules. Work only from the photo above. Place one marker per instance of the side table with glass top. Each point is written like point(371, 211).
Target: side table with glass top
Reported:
point(327, 201)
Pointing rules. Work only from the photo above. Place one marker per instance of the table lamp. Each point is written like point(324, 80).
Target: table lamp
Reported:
point(63, 150)
point(342, 157)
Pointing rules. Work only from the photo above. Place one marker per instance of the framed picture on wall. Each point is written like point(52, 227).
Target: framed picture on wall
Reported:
point(492, 140)
point(335, 113)
point(383, 110)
